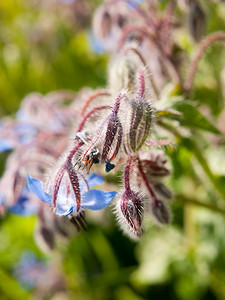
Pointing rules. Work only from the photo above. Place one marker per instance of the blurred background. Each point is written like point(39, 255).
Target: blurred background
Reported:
point(48, 45)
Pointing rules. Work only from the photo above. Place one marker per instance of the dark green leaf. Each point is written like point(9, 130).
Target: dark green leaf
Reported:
point(188, 115)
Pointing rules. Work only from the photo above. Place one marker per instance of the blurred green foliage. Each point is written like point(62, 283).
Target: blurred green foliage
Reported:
point(41, 50)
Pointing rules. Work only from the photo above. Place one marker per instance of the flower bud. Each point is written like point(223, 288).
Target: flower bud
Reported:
point(196, 21)
point(140, 123)
point(110, 135)
point(102, 22)
point(122, 74)
point(153, 164)
point(162, 190)
point(113, 135)
point(130, 209)
point(160, 211)
point(141, 116)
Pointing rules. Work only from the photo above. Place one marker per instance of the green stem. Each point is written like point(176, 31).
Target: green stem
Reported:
point(187, 200)
point(196, 151)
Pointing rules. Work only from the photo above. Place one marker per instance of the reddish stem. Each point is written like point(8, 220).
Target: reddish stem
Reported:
point(141, 86)
point(60, 173)
point(172, 69)
point(210, 39)
point(127, 173)
point(151, 78)
point(92, 97)
point(149, 188)
point(56, 185)
point(91, 112)
point(166, 24)
point(117, 103)
point(75, 185)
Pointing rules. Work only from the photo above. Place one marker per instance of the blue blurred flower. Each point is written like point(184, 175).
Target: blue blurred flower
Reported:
point(29, 269)
point(95, 44)
point(5, 145)
point(134, 3)
point(25, 132)
point(66, 201)
point(16, 134)
point(24, 206)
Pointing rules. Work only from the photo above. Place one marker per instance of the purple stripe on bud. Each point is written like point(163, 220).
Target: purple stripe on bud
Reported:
point(110, 135)
point(118, 142)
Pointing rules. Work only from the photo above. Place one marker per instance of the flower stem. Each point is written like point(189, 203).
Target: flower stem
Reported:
point(149, 188)
point(151, 78)
point(127, 173)
point(92, 97)
point(185, 199)
point(210, 39)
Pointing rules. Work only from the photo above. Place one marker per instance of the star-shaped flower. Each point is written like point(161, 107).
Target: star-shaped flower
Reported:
point(66, 201)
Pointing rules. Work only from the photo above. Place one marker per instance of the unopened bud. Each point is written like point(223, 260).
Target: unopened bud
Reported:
point(153, 164)
point(122, 74)
point(160, 212)
point(196, 21)
point(102, 22)
point(162, 190)
point(140, 123)
point(130, 213)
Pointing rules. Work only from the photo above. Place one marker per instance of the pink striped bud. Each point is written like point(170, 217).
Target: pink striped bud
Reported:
point(130, 211)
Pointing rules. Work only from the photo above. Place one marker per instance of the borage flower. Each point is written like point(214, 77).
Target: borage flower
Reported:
point(66, 203)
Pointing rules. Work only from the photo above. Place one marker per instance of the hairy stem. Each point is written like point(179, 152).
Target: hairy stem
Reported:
point(127, 173)
point(92, 97)
point(149, 188)
point(210, 39)
point(151, 78)
point(89, 114)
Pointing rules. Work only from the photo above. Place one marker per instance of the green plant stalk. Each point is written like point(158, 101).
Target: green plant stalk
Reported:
point(198, 155)
point(187, 200)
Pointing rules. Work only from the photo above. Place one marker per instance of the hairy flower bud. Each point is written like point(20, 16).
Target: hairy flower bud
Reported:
point(113, 137)
point(130, 209)
point(122, 74)
point(141, 117)
point(154, 164)
point(111, 131)
point(102, 22)
point(140, 123)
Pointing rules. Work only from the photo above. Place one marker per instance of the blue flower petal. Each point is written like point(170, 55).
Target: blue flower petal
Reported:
point(94, 179)
point(36, 187)
point(62, 212)
point(97, 199)
point(24, 206)
point(5, 145)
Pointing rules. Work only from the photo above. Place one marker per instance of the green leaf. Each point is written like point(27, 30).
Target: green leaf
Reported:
point(188, 115)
